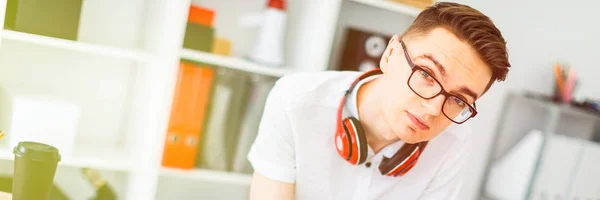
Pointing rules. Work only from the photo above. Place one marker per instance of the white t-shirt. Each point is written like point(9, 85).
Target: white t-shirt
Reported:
point(295, 144)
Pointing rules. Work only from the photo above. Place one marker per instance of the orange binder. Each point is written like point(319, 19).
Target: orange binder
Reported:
point(192, 94)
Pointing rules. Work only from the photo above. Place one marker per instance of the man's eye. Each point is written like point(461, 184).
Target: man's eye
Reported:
point(426, 76)
point(459, 102)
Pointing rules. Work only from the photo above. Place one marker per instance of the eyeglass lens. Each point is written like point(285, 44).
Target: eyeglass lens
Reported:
point(427, 87)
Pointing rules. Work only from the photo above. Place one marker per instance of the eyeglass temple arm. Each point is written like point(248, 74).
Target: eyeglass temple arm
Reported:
point(412, 65)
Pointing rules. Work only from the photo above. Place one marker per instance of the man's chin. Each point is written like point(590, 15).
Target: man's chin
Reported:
point(407, 134)
point(410, 138)
point(411, 141)
point(417, 137)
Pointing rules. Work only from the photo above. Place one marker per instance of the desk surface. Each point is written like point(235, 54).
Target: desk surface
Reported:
point(5, 196)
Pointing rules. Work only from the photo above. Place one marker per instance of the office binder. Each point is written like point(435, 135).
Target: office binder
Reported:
point(261, 86)
point(227, 105)
point(236, 114)
point(192, 95)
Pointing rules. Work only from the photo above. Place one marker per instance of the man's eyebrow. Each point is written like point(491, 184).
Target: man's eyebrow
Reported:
point(468, 91)
point(437, 64)
point(442, 71)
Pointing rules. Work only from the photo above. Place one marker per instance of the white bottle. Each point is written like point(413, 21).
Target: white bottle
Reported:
point(269, 46)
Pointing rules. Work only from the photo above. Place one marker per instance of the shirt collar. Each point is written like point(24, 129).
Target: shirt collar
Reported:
point(351, 104)
point(352, 107)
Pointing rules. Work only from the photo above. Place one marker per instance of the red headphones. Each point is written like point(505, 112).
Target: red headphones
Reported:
point(351, 143)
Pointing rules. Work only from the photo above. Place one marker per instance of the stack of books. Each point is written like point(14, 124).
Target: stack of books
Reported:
point(214, 117)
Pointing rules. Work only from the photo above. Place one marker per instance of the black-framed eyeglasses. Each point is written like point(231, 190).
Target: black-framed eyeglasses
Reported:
point(426, 86)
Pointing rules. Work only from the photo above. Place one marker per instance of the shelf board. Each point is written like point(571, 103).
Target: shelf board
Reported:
point(119, 165)
point(563, 108)
point(209, 175)
point(233, 63)
point(391, 6)
point(77, 46)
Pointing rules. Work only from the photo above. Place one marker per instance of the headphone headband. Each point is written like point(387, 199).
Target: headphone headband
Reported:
point(367, 74)
point(347, 92)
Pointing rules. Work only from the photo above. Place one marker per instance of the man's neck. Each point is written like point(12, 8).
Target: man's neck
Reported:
point(370, 115)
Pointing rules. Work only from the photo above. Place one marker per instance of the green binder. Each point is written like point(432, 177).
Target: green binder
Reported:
point(226, 109)
point(261, 86)
point(236, 114)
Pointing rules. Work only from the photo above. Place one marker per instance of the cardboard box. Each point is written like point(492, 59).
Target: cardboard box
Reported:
point(199, 37)
point(55, 18)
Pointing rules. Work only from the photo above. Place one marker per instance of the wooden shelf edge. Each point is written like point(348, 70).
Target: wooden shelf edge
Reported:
point(78, 46)
point(208, 175)
point(233, 63)
point(391, 6)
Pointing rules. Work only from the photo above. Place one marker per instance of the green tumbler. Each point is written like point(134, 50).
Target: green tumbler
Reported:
point(35, 166)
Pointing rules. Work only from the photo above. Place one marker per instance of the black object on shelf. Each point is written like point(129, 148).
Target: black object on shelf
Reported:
point(362, 49)
point(53, 18)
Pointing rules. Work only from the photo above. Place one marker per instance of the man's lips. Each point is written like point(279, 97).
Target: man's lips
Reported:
point(417, 122)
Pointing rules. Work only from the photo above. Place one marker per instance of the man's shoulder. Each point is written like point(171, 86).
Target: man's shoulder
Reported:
point(317, 87)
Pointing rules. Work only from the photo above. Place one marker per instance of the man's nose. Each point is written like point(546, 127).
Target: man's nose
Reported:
point(434, 105)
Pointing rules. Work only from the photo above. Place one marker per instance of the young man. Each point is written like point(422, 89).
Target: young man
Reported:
point(392, 133)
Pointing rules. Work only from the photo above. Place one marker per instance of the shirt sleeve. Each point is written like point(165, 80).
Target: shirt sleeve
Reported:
point(448, 181)
point(273, 152)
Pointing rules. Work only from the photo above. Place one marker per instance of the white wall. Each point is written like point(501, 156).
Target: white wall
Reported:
point(539, 33)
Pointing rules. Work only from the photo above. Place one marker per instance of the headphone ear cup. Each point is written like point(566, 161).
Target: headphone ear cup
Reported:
point(343, 143)
point(407, 168)
point(358, 140)
point(402, 161)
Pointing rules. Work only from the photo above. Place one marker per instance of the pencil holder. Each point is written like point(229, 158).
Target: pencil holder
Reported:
point(565, 83)
point(557, 94)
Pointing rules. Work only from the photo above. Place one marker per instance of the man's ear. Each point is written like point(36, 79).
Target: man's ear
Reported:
point(392, 46)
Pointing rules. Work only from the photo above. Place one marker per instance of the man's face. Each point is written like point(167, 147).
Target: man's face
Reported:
point(412, 118)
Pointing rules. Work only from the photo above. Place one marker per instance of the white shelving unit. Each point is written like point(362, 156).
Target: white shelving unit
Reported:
point(391, 6)
point(234, 63)
point(96, 49)
point(209, 175)
point(125, 85)
point(565, 141)
point(102, 50)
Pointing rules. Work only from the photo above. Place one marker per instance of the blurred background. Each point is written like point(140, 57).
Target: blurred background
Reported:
point(161, 99)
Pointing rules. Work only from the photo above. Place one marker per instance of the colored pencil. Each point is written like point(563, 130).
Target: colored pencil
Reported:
point(559, 79)
point(570, 86)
